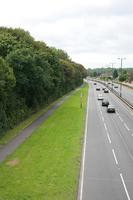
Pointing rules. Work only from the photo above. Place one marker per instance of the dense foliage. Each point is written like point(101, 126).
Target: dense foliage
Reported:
point(31, 75)
point(125, 74)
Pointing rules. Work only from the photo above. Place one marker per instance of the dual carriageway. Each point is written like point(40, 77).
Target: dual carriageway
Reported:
point(107, 162)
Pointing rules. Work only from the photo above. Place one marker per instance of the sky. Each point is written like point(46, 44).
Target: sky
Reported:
point(93, 32)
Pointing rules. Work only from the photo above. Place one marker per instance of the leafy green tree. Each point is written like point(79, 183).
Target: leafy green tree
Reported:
point(115, 73)
point(7, 82)
point(31, 75)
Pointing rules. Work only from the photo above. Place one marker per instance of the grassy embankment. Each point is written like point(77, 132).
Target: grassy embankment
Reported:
point(46, 166)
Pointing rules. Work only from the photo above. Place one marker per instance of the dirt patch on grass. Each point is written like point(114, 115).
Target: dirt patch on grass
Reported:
point(13, 163)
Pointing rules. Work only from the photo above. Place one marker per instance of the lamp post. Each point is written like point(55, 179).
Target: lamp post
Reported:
point(112, 73)
point(121, 60)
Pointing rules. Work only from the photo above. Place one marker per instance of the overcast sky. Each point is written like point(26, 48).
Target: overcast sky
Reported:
point(93, 32)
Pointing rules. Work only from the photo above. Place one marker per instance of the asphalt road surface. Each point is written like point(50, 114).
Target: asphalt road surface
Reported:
point(126, 92)
point(107, 167)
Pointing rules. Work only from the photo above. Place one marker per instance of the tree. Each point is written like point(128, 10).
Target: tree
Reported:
point(7, 82)
point(115, 73)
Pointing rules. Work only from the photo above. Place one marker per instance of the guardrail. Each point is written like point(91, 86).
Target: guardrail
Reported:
point(129, 104)
point(124, 84)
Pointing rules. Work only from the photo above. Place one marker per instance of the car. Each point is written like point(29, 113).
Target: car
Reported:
point(103, 88)
point(95, 83)
point(100, 97)
point(115, 86)
point(111, 109)
point(106, 91)
point(105, 102)
point(98, 88)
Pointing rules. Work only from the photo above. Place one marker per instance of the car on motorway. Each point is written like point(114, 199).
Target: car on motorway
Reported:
point(110, 109)
point(97, 88)
point(94, 83)
point(105, 102)
point(103, 88)
point(106, 90)
point(115, 86)
point(100, 97)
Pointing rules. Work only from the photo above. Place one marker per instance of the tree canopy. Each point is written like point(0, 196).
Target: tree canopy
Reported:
point(31, 75)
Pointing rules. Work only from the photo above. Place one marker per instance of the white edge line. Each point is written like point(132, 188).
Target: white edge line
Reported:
point(114, 156)
point(123, 182)
point(84, 149)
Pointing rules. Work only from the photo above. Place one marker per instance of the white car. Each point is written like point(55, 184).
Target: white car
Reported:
point(100, 97)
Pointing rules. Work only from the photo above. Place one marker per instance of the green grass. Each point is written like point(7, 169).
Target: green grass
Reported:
point(46, 166)
point(9, 135)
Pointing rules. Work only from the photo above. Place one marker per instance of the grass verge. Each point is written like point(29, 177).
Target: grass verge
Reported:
point(9, 135)
point(46, 166)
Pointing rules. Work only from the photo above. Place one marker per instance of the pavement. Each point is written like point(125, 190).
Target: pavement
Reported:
point(107, 164)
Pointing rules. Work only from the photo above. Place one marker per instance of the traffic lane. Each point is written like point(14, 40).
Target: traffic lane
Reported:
point(127, 93)
point(120, 105)
point(125, 114)
point(124, 156)
point(101, 177)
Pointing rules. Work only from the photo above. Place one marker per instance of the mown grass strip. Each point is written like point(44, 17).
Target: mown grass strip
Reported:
point(46, 166)
point(9, 135)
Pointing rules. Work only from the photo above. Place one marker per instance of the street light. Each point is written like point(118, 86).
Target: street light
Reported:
point(121, 59)
point(112, 73)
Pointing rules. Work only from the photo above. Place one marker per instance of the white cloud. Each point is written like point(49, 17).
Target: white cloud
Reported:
point(92, 32)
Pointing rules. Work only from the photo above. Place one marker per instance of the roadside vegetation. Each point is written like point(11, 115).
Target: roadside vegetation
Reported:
point(124, 75)
point(46, 166)
point(32, 75)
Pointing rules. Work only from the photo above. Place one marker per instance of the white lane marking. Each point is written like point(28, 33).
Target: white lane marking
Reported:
point(84, 151)
point(109, 138)
point(105, 126)
point(116, 161)
point(117, 113)
point(103, 118)
point(122, 104)
point(123, 182)
point(120, 118)
point(126, 126)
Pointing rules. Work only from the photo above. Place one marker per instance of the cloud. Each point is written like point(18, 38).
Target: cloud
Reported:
point(92, 32)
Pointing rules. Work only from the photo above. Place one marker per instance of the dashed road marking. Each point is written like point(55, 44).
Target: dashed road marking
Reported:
point(105, 126)
point(120, 118)
point(124, 185)
point(116, 161)
point(126, 126)
point(109, 138)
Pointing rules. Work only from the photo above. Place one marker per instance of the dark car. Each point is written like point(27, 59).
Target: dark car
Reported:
point(106, 91)
point(103, 88)
point(111, 109)
point(105, 102)
point(95, 83)
point(98, 88)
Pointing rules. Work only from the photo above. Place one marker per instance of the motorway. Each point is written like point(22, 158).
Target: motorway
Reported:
point(127, 93)
point(107, 163)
